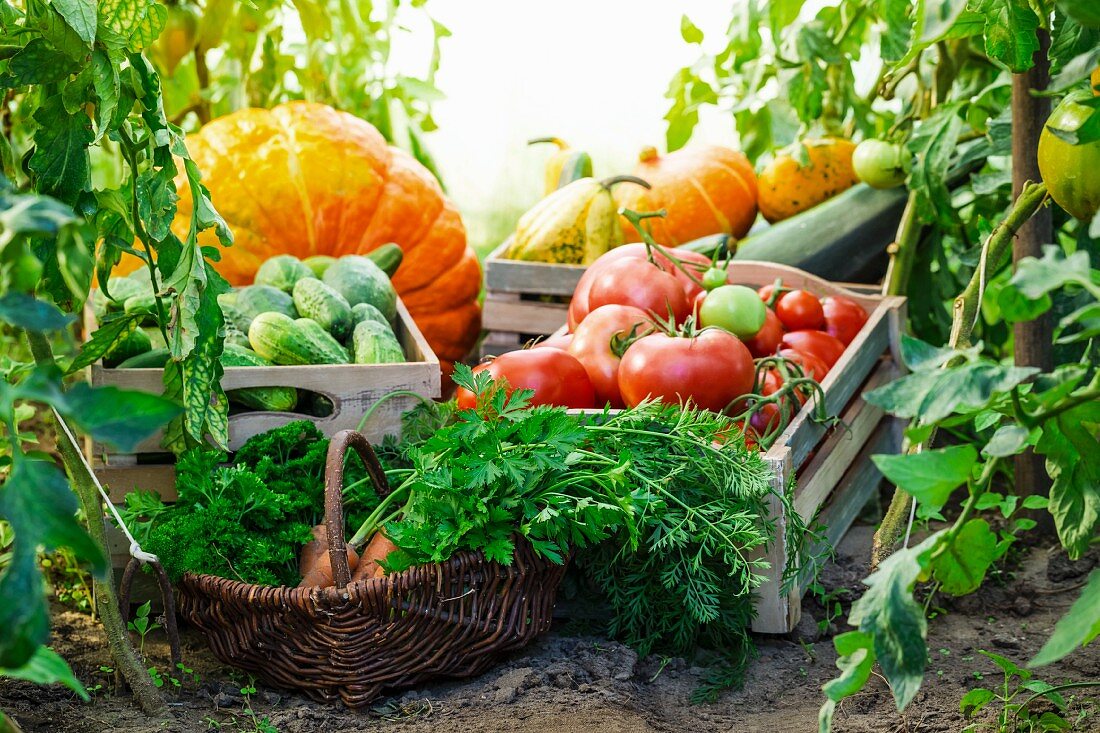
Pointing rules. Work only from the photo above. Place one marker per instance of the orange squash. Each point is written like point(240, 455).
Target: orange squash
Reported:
point(788, 188)
point(705, 189)
point(305, 179)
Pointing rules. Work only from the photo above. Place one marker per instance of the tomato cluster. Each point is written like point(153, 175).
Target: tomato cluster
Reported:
point(650, 323)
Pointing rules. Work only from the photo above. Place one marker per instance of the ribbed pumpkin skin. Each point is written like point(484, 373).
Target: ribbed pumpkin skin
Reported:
point(705, 189)
point(787, 188)
point(305, 179)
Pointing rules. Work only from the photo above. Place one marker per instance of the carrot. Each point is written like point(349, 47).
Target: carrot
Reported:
point(315, 564)
point(377, 549)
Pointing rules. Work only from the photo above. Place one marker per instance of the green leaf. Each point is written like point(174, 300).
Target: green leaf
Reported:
point(1084, 12)
point(38, 63)
point(113, 330)
point(1069, 444)
point(889, 613)
point(1007, 441)
point(855, 659)
point(24, 311)
point(929, 476)
point(939, 17)
point(37, 503)
point(921, 356)
point(962, 563)
point(931, 396)
point(1006, 665)
point(1010, 32)
point(121, 418)
point(975, 700)
point(1018, 308)
point(60, 160)
point(1075, 70)
point(1078, 627)
point(689, 32)
point(80, 15)
point(1035, 277)
point(105, 80)
point(46, 667)
point(134, 24)
point(934, 143)
point(45, 19)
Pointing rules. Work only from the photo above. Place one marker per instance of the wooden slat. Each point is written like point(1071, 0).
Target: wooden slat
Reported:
point(776, 612)
point(839, 450)
point(542, 278)
point(854, 490)
point(524, 316)
point(121, 480)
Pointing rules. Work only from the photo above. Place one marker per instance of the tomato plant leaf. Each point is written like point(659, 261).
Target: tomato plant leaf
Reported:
point(1082, 11)
point(934, 143)
point(889, 613)
point(930, 396)
point(132, 24)
point(1007, 441)
point(939, 17)
point(1078, 627)
point(929, 476)
point(80, 15)
point(113, 330)
point(855, 659)
point(60, 159)
point(961, 564)
point(106, 82)
point(1036, 277)
point(36, 500)
point(922, 356)
point(121, 418)
point(25, 311)
point(45, 19)
point(1010, 32)
point(38, 63)
point(1075, 70)
point(46, 667)
point(1069, 443)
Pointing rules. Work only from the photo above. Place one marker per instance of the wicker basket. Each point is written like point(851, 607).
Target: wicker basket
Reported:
point(354, 640)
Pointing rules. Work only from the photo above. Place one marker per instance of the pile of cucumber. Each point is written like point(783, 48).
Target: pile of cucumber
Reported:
point(322, 310)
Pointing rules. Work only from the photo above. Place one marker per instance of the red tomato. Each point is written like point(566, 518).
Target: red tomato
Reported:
point(556, 377)
point(800, 310)
point(693, 262)
point(642, 284)
point(767, 339)
point(816, 343)
point(711, 369)
point(593, 348)
point(558, 342)
point(812, 366)
point(844, 318)
point(765, 292)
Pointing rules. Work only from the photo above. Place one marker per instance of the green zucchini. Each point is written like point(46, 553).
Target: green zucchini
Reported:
point(155, 359)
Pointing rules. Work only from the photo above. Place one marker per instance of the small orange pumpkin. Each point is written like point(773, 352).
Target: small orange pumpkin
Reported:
point(788, 188)
point(305, 179)
point(705, 189)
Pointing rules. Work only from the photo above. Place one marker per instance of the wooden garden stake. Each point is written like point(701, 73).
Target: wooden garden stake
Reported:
point(1032, 339)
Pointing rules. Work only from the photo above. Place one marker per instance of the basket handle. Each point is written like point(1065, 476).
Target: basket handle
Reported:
point(334, 495)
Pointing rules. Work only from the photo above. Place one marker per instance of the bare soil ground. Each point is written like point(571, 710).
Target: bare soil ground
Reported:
point(582, 684)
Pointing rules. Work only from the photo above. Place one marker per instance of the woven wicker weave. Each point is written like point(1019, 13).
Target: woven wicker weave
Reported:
point(352, 641)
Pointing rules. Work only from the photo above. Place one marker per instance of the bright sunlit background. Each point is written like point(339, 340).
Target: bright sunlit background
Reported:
point(516, 70)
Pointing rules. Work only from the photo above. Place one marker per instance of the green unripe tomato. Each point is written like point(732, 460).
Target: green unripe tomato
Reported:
point(880, 164)
point(1071, 172)
point(25, 273)
point(735, 308)
point(713, 278)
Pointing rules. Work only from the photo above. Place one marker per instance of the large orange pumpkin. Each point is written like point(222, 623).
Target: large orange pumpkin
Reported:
point(705, 189)
point(306, 179)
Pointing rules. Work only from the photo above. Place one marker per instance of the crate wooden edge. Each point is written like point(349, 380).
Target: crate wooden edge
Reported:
point(518, 276)
point(421, 375)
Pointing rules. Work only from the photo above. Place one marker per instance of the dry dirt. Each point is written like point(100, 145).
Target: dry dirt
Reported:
point(582, 684)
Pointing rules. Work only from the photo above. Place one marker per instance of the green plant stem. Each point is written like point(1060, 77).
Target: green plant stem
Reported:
point(904, 250)
point(995, 251)
point(118, 641)
point(1056, 688)
point(129, 151)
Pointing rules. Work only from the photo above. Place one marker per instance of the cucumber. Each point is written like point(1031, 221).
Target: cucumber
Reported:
point(388, 257)
point(121, 289)
point(272, 399)
point(318, 301)
point(360, 280)
point(256, 299)
point(285, 341)
point(281, 272)
point(155, 359)
point(235, 336)
point(367, 312)
point(374, 343)
point(318, 264)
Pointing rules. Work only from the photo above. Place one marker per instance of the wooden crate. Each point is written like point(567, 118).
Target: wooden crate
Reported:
point(352, 389)
point(832, 466)
point(523, 300)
